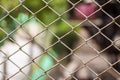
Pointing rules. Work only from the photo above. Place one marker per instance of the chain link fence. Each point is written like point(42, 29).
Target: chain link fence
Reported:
point(51, 40)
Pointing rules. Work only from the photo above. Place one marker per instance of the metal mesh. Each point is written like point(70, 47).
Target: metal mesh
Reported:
point(23, 44)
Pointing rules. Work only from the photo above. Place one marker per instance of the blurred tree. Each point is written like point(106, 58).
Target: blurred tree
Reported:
point(9, 4)
point(6, 24)
point(47, 11)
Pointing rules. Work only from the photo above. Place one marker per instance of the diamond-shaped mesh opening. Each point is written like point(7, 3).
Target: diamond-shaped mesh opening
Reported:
point(63, 27)
point(2, 13)
point(56, 5)
point(40, 68)
point(7, 29)
point(99, 38)
point(20, 14)
point(2, 36)
point(45, 15)
point(59, 47)
point(34, 5)
point(112, 10)
point(16, 57)
point(80, 11)
point(107, 76)
point(8, 24)
point(85, 50)
point(9, 4)
point(9, 70)
point(103, 2)
point(98, 64)
point(59, 69)
point(60, 40)
point(71, 4)
point(18, 76)
point(78, 74)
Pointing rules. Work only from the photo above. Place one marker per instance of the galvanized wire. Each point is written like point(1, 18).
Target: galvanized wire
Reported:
point(31, 41)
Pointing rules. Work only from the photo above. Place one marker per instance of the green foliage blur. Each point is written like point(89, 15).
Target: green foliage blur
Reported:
point(46, 13)
point(14, 13)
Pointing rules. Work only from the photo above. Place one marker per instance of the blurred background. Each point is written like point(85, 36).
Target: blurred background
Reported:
point(48, 40)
